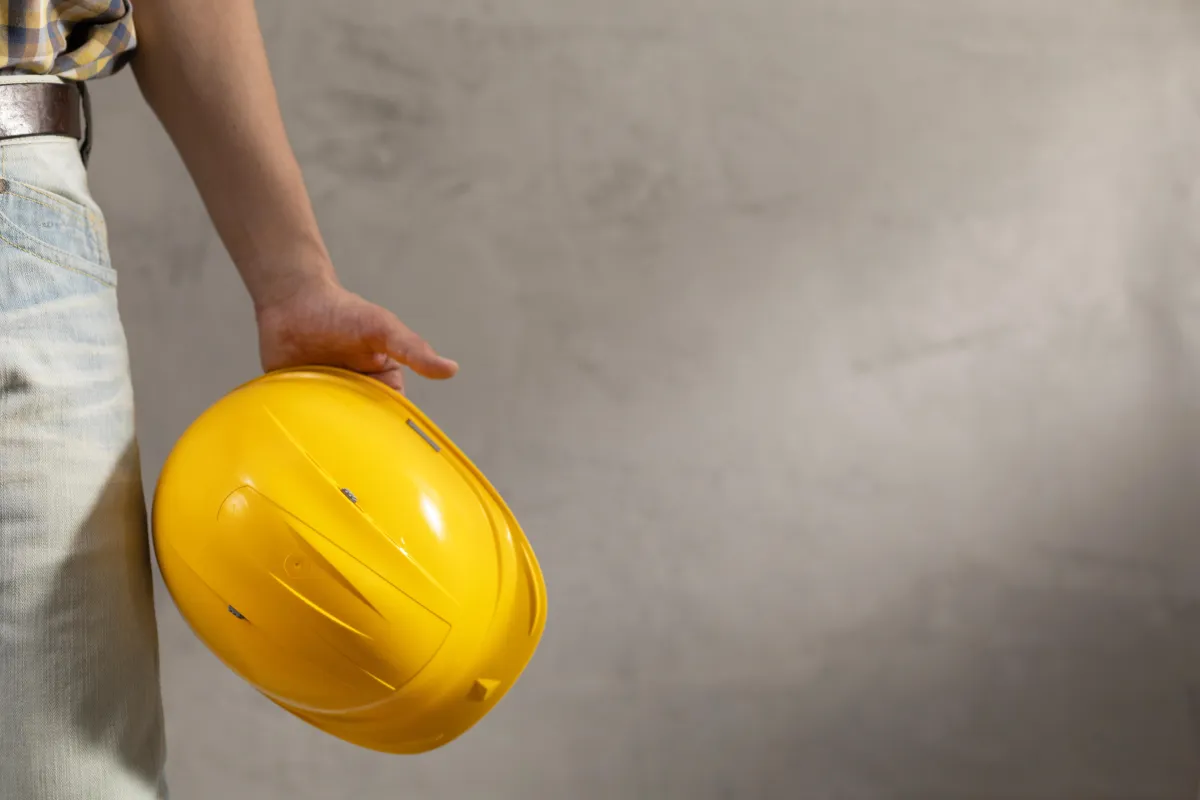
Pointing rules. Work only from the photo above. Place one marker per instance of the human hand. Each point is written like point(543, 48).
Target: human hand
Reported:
point(325, 324)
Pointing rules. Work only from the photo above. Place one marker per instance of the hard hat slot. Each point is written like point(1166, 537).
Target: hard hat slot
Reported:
point(326, 599)
point(428, 440)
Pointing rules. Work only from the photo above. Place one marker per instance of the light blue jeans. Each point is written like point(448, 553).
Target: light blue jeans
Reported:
point(80, 707)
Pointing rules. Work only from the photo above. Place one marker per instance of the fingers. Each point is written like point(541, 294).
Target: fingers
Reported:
point(379, 366)
point(393, 377)
point(417, 354)
point(368, 363)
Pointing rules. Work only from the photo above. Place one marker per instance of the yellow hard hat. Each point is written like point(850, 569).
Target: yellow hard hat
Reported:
point(335, 549)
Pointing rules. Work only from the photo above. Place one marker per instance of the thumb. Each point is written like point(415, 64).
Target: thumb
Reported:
point(417, 354)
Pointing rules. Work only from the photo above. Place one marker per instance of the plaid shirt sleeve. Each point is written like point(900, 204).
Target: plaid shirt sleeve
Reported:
point(73, 39)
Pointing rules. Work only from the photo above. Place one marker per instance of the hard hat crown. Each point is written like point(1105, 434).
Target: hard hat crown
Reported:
point(334, 548)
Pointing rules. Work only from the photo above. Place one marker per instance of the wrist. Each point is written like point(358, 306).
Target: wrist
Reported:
point(282, 278)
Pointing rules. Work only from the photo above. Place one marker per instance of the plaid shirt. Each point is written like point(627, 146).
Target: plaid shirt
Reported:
point(73, 39)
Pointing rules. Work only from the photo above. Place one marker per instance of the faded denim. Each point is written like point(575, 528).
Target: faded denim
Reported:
point(80, 704)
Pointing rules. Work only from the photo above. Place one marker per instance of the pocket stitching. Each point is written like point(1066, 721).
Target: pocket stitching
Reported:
point(52, 202)
point(55, 202)
point(43, 257)
point(60, 204)
point(104, 274)
point(33, 245)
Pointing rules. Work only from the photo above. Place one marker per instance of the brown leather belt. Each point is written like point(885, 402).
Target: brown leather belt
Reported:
point(45, 109)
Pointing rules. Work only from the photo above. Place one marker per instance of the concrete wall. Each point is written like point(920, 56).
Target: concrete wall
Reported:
point(840, 359)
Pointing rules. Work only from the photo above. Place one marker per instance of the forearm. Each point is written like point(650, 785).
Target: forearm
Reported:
point(204, 73)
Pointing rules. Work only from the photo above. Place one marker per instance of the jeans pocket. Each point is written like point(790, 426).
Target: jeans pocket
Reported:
point(56, 229)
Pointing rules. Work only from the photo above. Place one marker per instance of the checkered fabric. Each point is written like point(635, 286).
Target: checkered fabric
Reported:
point(73, 39)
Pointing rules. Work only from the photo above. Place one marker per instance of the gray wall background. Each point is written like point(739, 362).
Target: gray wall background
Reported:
point(840, 359)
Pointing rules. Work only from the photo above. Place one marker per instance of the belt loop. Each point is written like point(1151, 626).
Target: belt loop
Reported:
point(85, 145)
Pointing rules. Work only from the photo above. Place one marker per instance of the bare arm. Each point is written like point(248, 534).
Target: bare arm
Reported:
point(202, 68)
point(205, 75)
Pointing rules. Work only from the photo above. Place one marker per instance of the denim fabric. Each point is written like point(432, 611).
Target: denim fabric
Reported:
point(80, 705)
